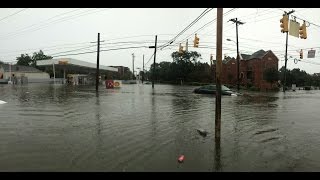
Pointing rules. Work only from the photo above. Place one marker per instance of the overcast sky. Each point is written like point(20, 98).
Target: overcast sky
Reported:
point(63, 31)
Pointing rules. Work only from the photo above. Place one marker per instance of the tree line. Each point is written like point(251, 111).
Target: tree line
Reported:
point(186, 67)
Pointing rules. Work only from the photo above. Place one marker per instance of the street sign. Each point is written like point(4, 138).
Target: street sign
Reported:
point(311, 53)
point(109, 84)
point(116, 84)
point(294, 28)
point(63, 62)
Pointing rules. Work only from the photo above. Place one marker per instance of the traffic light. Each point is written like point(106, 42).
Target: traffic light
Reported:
point(303, 31)
point(196, 41)
point(284, 23)
point(180, 48)
point(301, 54)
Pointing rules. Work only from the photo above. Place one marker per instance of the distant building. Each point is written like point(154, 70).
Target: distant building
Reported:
point(251, 68)
point(122, 71)
point(22, 74)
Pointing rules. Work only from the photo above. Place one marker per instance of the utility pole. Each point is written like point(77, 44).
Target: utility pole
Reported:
point(10, 81)
point(142, 68)
point(235, 20)
point(154, 61)
point(211, 68)
point(187, 46)
point(218, 87)
point(97, 71)
point(132, 65)
point(286, 56)
point(54, 73)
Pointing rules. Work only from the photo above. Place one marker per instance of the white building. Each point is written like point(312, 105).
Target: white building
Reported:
point(22, 74)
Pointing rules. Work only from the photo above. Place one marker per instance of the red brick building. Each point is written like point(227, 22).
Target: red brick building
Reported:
point(251, 69)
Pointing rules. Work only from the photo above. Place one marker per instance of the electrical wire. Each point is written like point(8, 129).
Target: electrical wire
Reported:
point(186, 28)
point(6, 17)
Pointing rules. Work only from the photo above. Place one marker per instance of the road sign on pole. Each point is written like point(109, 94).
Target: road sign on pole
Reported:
point(294, 28)
point(311, 53)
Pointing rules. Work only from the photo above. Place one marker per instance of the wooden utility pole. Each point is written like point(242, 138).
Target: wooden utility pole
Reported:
point(235, 20)
point(132, 65)
point(142, 69)
point(154, 62)
point(218, 72)
point(97, 71)
point(218, 88)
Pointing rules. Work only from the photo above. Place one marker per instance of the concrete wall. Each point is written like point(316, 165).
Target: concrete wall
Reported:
point(32, 77)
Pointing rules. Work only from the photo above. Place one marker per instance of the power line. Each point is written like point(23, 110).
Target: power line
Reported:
point(55, 22)
point(132, 47)
point(186, 28)
point(88, 52)
point(45, 21)
point(48, 48)
point(149, 59)
point(226, 13)
point(73, 50)
point(13, 14)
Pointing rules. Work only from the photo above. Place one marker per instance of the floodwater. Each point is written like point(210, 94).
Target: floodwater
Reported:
point(135, 128)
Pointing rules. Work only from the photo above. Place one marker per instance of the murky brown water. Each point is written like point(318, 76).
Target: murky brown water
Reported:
point(57, 128)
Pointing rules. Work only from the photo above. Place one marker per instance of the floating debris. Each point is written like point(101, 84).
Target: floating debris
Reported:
point(272, 105)
point(181, 159)
point(202, 132)
point(2, 102)
point(266, 130)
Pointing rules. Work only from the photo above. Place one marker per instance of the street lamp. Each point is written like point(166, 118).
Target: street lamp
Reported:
point(238, 63)
point(231, 40)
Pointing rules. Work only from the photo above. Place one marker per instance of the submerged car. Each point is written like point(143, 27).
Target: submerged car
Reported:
point(211, 89)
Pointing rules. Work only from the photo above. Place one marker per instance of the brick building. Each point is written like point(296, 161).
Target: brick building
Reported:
point(251, 69)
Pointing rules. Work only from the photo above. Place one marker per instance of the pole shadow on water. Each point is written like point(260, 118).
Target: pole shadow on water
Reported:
point(98, 123)
point(153, 113)
point(217, 155)
point(98, 113)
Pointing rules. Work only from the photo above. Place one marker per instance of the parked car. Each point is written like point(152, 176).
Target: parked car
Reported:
point(211, 89)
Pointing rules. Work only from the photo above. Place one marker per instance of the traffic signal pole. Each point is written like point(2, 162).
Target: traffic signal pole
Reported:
point(286, 57)
point(285, 64)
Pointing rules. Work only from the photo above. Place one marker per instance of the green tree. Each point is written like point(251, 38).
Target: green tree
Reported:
point(271, 75)
point(186, 64)
point(27, 60)
point(39, 56)
point(24, 60)
point(186, 56)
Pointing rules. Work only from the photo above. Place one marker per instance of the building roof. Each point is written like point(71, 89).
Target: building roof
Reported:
point(256, 55)
point(244, 56)
point(19, 68)
point(227, 59)
point(74, 62)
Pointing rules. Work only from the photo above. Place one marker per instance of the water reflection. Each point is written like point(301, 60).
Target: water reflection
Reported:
point(137, 128)
point(217, 155)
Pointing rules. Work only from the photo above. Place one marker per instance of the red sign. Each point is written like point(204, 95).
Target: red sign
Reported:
point(109, 84)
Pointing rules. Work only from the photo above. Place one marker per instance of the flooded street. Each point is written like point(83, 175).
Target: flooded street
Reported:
point(135, 128)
